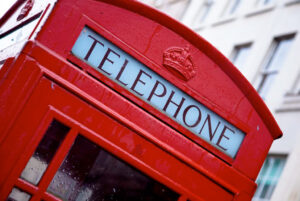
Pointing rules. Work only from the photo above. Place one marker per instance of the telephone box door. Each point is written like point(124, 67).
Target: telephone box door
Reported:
point(70, 146)
point(72, 151)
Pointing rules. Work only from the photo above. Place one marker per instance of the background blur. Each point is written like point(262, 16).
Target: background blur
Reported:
point(261, 38)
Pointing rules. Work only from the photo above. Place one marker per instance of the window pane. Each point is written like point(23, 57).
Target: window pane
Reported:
point(265, 2)
point(241, 53)
point(203, 12)
point(234, 6)
point(279, 54)
point(264, 191)
point(268, 177)
point(175, 8)
point(18, 195)
point(90, 173)
point(266, 84)
point(44, 153)
point(276, 59)
point(231, 7)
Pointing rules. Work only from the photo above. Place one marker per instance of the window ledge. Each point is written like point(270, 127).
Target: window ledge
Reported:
point(260, 10)
point(199, 27)
point(224, 20)
point(292, 2)
point(291, 103)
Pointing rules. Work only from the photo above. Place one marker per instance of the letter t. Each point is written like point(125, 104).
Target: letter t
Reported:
point(92, 47)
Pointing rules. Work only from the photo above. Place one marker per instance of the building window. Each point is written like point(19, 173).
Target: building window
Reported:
point(296, 86)
point(268, 177)
point(158, 3)
point(240, 54)
point(273, 63)
point(174, 8)
point(262, 3)
point(232, 7)
point(17, 194)
point(295, 89)
point(203, 12)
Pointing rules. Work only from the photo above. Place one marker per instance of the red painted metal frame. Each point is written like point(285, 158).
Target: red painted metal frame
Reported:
point(224, 92)
point(55, 91)
point(46, 65)
point(194, 157)
point(134, 98)
point(230, 70)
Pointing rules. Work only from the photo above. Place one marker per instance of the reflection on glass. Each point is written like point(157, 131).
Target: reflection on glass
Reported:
point(18, 195)
point(44, 153)
point(90, 173)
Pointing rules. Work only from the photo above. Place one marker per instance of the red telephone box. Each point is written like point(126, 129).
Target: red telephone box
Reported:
point(113, 100)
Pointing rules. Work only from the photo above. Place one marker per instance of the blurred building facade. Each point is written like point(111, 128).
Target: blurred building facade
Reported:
point(261, 37)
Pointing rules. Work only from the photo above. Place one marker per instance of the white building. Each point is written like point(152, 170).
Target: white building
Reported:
point(261, 37)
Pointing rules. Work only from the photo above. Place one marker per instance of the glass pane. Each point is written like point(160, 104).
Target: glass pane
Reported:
point(44, 153)
point(266, 84)
point(279, 54)
point(18, 195)
point(240, 56)
point(271, 69)
point(265, 2)
point(90, 173)
point(279, 169)
point(176, 9)
point(268, 177)
point(264, 191)
point(234, 6)
point(204, 11)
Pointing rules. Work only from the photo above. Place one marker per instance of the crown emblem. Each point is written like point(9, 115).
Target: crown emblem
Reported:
point(179, 62)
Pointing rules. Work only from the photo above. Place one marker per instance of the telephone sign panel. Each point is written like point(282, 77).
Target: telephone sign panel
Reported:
point(121, 102)
point(153, 89)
